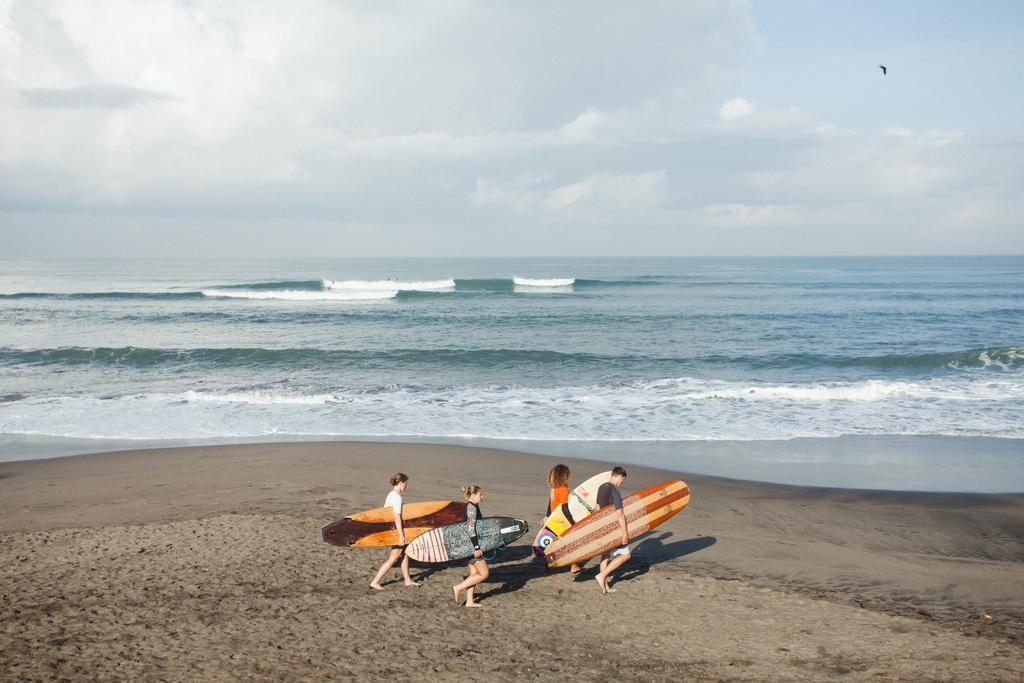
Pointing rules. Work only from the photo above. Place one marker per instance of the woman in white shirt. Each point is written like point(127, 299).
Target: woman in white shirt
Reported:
point(399, 483)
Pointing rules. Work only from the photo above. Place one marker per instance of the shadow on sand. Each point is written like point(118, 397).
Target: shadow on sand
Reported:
point(653, 550)
point(497, 561)
point(512, 573)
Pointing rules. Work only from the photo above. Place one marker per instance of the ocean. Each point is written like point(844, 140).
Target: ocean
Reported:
point(665, 361)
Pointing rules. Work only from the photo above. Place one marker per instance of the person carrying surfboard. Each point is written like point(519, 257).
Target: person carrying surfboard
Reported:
point(478, 570)
point(558, 483)
point(399, 482)
point(607, 495)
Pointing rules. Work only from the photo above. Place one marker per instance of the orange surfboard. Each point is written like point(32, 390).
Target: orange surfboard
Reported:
point(600, 532)
point(375, 528)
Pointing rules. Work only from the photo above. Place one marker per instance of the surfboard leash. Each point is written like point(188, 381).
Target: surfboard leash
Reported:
point(494, 552)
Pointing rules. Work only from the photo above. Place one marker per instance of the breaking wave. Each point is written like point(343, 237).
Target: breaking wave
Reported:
point(543, 282)
point(388, 285)
point(299, 295)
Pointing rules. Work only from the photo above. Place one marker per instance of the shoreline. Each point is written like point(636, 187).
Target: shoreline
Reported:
point(919, 463)
point(199, 556)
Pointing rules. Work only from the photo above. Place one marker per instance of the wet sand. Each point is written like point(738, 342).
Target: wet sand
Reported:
point(206, 563)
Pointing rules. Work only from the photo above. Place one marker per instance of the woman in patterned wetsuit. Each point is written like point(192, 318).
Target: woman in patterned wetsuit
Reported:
point(478, 571)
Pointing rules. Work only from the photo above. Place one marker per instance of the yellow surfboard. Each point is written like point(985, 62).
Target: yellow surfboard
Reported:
point(582, 502)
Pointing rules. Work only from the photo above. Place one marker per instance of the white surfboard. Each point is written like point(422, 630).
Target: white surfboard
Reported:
point(583, 498)
point(582, 502)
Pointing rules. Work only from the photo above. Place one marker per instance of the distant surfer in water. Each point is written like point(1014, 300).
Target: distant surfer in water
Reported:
point(558, 483)
point(609, 494)
point(478, 570)
point(399, 483)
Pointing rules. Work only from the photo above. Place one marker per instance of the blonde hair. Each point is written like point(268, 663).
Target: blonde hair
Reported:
point(470, 490)
point(558, 476)
point(398, 478)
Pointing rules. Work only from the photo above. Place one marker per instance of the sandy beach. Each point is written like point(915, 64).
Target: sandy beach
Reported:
point(206, 563)
point(255, 261)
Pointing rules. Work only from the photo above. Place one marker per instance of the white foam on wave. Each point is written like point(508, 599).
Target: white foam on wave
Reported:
point(866, 391)
point(543, 282)
point(259, 398)
point(386, 285)
point(1010, 359)
point(679, 409)
point(299, 294)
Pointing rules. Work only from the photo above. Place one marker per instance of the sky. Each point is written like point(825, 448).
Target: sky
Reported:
point(194, 128)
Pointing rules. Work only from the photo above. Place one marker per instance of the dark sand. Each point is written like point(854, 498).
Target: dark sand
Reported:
point(206, 563)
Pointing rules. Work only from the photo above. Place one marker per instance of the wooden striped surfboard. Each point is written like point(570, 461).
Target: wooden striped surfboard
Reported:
point(600, 532)
point(375, 528)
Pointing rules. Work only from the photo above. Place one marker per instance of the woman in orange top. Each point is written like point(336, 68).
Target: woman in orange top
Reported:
point(558, 482)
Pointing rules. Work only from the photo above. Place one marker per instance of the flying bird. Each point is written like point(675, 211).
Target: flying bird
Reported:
point(884, 70)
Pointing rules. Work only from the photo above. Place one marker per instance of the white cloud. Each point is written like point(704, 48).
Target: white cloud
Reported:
point(941, 138)
point(735, 108)
point(392, 114)
point(91, 96)
point(729, 215)
point(584, 127)
point(209, 100)
point(602, 196)
point(980, 216)
point(905, 177)
point(520, 194)
point(825, 165)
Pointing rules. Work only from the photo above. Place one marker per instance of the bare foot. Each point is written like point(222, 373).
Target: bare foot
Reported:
point(609, 589)
point(414, 584)
point(457, 593)
point(376, 587)
point(473, 604)
point(600, 582)
point(575, 569)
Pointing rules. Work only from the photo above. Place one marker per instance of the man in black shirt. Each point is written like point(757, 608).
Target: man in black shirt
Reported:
point(607, 495)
